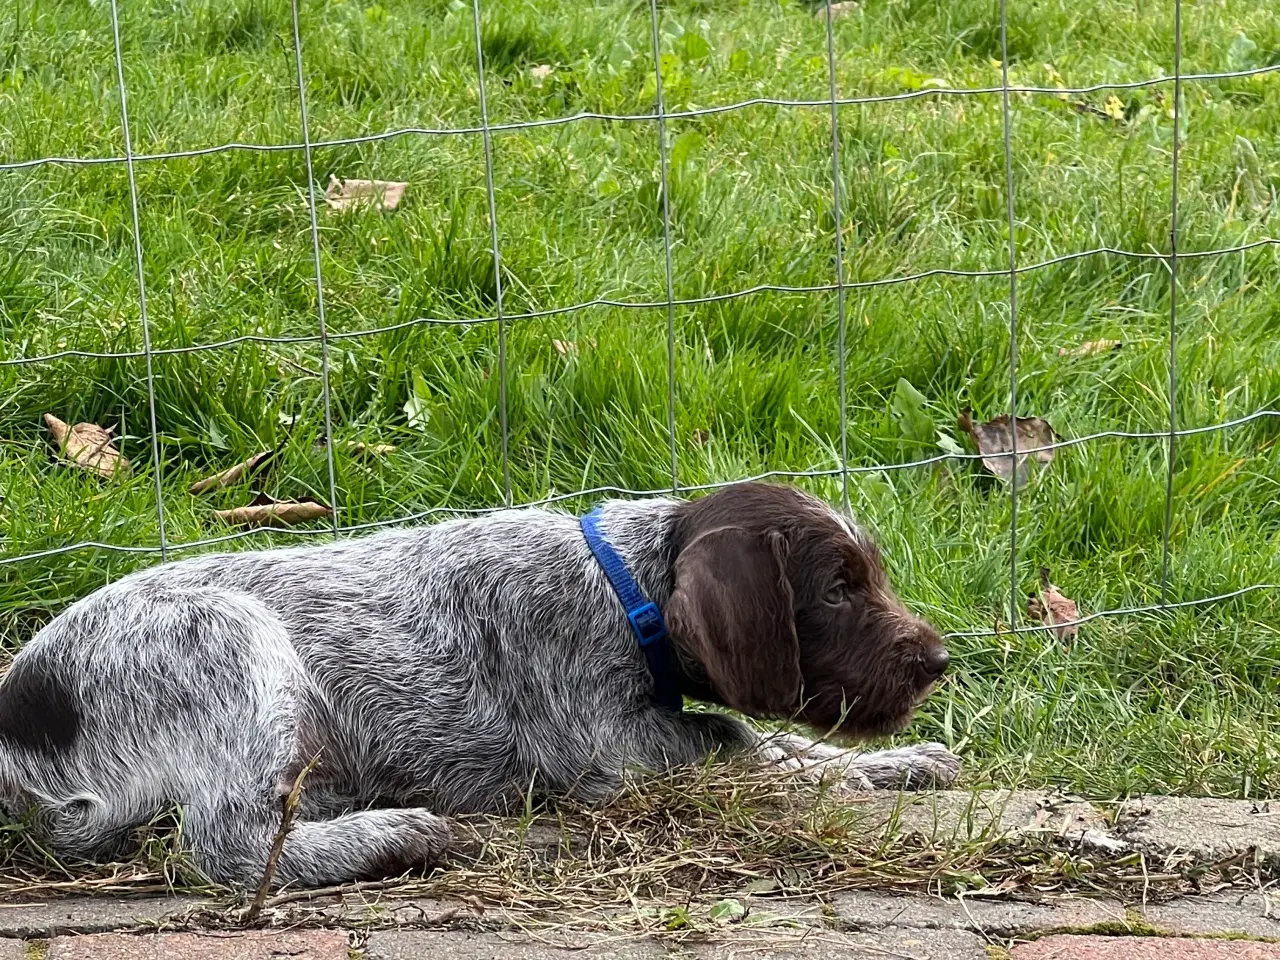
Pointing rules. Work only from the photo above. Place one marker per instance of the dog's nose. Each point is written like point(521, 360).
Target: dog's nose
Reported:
point(936, 660)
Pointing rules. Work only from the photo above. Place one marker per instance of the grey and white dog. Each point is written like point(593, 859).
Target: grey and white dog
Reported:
point(449, 669)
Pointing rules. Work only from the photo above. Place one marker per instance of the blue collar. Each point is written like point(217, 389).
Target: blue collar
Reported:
point(644, 615)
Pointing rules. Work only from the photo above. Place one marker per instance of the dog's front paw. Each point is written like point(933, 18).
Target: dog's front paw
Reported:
point(930, 766)
point(923, 766)
point(817, 763)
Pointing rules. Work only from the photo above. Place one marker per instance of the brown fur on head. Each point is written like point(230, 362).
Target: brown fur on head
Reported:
point(782, 609)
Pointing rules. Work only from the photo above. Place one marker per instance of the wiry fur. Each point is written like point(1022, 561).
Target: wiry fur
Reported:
point(433, 671)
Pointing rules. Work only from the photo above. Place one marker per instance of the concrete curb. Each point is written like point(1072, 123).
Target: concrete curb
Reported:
point(1249, 915)
point(1174, 831)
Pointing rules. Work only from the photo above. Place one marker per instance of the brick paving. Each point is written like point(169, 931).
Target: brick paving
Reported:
point(1070, 947)
point(898, 942)
point(868, 925)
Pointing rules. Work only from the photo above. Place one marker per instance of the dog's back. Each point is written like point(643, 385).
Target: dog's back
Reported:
point(449, 665)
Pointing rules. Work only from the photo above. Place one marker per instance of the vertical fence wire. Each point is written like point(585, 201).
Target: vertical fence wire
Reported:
point(838, 216)
point(487, 134)
point(1013, 316)
point(142, 283)
point(664, 183)
point(315, 253)
point(1173, 299)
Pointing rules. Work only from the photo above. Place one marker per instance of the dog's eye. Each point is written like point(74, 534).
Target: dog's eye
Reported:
point(837, 594)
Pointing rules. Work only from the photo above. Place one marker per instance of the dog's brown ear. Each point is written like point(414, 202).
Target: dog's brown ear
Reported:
point(731, 610)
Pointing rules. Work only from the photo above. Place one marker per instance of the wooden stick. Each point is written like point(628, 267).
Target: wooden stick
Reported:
point(289, 807)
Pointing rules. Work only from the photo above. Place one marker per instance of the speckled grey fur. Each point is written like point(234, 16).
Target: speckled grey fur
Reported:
point(433, 671)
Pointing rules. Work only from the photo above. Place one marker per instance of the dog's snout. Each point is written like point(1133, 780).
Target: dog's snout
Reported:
point(935, 661)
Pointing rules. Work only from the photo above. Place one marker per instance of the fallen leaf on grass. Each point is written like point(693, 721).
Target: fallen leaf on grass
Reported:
point(418, 407)
point(1251, 178)
point(1091, 348)
point(571, 348)
point(995, 438)
point(88, 446)
point(838, 10)
point(226, 478)
point(266, 512)
point(1241, 53)
point(350, 194)
point(1113, 107)
point(727, 911)
point(907, 407)
point(1051, 608)
point(358, 448)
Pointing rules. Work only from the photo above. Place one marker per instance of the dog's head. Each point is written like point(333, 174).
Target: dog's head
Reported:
point(783, 607)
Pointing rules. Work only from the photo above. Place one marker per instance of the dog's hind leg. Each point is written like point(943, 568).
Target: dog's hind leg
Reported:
point(144, 697)
point(191, 697)
point(231, 842)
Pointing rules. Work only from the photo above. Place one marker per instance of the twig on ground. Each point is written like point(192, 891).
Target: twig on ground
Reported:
point(343, 889)
point(288, 808)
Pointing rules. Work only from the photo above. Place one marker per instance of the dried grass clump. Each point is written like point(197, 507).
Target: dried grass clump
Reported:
point(719, 830)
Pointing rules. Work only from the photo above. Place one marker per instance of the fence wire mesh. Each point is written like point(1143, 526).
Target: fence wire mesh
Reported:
point(839, 285)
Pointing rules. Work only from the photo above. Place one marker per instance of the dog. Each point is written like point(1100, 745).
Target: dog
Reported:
point(458, 668)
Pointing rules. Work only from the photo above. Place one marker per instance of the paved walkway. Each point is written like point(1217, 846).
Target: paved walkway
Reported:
point(870, 945)
point(1211, 838)
point(859, 926)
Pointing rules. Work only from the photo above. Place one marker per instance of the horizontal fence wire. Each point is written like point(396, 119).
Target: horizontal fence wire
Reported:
point(755, 290)
point(840, 286)
point(642, 117)
point(1160, 607)
point(610, 490)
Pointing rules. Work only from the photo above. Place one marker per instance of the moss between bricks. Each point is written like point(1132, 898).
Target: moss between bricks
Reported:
point(1135, 925)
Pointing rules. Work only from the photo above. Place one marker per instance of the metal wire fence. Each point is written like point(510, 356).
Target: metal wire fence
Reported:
point(839, 285)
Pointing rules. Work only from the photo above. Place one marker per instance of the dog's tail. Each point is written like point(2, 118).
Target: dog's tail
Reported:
point(12, 777)
point(11, 785)
point(8, 777)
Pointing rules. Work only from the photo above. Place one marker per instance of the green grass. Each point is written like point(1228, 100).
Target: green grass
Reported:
point(1186, 702)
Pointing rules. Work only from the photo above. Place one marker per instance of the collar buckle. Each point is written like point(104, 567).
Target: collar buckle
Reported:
point(647, 622)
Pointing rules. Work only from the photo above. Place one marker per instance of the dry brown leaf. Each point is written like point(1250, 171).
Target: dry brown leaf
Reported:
point(1091, 348)
point(1052, 608)
point(226, 478)
point(350, 194)
point(265, 512)
point(838, 10)
point(994, 438)
point(88, 446)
